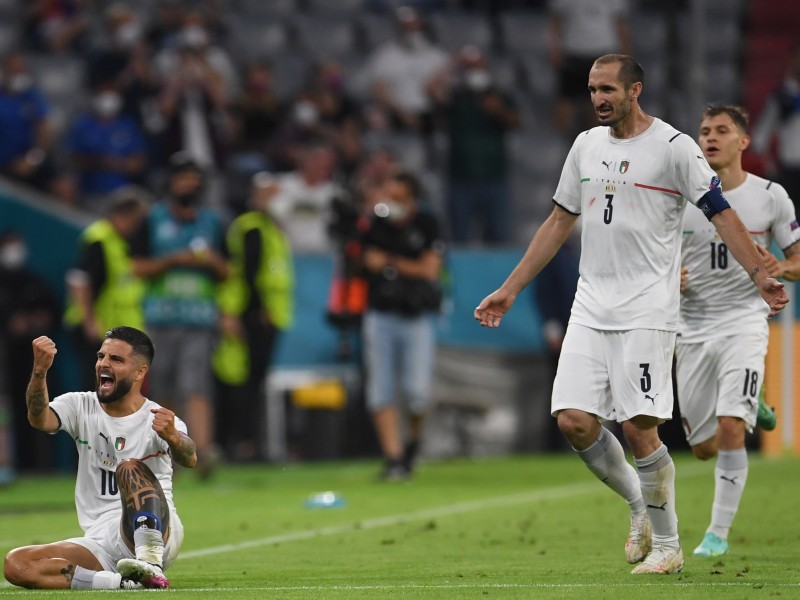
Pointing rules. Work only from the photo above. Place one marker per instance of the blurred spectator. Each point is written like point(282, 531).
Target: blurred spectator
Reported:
point(553, 294)
point(368, 182)
point(479, 115)
point(28, 309)
point(580, 31)
point(24, 126)
point(102, 291)
point(781, 117)
point(56, 25)
point(303, 203)
point(107, 148)
point(338, 113)
point(300, 128)
point(66, 188)
point(402, 261)
point(256, 303)
point(255, 120)
point(193, 39)
point(398, 72)
point(165, 24)
point(179, 251)
point(125, 63)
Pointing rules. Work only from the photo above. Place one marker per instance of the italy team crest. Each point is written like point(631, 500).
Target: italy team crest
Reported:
point(119, 443)
point(623, 166)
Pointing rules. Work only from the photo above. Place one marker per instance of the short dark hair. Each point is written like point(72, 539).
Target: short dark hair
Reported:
point(738, 114)
point(408, 179)
point(140, 342)
point(630, 71)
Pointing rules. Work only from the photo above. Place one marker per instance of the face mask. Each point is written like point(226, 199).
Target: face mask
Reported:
point(188, 199)
point(128, 34)
point(477, 79)
point(305, 113)
point(194, 37)
point(107, 104)
point(20, 82)
point(389, 209)
point(13, 255)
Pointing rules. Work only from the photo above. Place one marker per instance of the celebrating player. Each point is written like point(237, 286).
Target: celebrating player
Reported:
point(630, 178)
point(123, 493)
point(723, 326)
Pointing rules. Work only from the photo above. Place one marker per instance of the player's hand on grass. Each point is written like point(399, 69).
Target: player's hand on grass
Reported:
point(44, 353)
point(492, 308)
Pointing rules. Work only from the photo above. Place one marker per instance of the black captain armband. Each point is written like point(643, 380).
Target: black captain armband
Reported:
point(712, 202)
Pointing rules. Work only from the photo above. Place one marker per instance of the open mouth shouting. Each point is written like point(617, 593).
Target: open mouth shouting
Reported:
point(105, 383)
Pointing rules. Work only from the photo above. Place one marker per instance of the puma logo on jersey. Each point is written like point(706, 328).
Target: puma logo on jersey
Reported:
point(105, 437)
point(651, 398)
point(607, 165)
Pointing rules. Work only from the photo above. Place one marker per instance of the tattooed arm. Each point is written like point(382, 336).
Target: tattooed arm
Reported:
point(38, 400)
point(181, 445)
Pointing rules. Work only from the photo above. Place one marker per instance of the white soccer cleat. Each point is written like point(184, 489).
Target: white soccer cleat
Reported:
point(640, 538)
point(149, 576)
point(662, 560)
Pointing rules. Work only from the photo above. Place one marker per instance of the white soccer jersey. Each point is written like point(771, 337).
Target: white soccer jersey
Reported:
point(103, 442)
point(631, 194)
point(720, 298)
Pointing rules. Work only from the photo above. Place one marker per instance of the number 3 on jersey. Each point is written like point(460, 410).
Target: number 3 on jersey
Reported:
point(609, 210)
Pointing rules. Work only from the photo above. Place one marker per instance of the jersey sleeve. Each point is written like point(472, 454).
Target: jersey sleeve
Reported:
point(785, 229)
point(67, 407)
point(568, 192)
point(693, 175)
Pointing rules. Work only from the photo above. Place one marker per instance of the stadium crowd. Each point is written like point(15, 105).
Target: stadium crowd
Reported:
point(319, 101)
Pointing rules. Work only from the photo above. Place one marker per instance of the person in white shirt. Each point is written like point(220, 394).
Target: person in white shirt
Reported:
point(723, 331)
point(123, 491)
point(630, 179)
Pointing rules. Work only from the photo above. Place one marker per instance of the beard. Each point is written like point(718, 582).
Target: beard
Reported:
point(121, 388)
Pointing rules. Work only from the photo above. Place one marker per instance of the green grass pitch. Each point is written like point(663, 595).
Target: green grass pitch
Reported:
point(536, 526)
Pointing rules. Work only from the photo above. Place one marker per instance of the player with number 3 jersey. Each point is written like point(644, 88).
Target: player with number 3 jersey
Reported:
point(629, 180)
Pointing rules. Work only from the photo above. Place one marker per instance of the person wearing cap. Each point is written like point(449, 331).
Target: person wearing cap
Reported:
point(179, 250)
point(257, 303)
point(102, 290)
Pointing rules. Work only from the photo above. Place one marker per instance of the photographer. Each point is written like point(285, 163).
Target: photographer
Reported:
point(402, 259)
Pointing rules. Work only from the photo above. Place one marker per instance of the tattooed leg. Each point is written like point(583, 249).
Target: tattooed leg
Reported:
point(145, 512)
point(49, 566)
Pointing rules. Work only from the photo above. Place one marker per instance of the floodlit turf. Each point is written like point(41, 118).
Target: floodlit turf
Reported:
point(536, 526)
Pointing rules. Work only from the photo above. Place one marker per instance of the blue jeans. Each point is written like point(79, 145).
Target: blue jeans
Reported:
point(399, 349)
point(486, 203)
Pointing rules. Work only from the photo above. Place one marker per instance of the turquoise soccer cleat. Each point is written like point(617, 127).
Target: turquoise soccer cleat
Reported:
point(712, 545)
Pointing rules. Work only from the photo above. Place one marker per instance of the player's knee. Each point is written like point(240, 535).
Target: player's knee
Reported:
point(705, 451)
point(16, 568)
point(575, 426)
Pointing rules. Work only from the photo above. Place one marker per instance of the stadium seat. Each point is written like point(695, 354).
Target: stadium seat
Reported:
point(524, 33)
point(291, 71)
point(374, 29)
point(258, 9)
point(648, 37)
point(348, 7)
point(251, 40)
point(454, 30)
point(325, 35)
point(539, 76)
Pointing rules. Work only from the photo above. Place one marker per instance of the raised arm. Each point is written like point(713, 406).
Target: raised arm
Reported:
point(37, 398)
point(736, 237)
point(544, 245)
point(181, 446)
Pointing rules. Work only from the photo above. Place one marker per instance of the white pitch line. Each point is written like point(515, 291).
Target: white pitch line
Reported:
point(441, 511)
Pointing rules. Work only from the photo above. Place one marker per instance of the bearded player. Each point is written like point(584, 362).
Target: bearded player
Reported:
point(123, 492)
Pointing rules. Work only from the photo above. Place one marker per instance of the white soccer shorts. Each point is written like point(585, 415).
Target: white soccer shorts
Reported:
point(719, 378)
point(615, 375)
